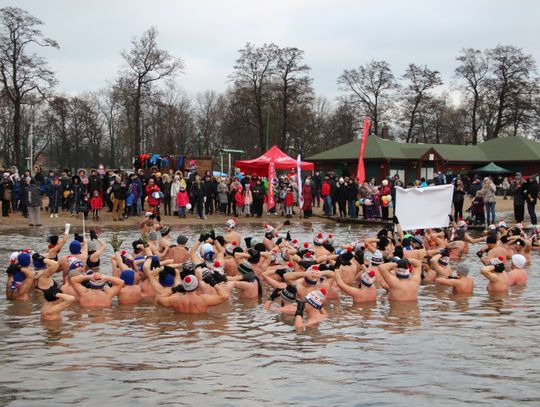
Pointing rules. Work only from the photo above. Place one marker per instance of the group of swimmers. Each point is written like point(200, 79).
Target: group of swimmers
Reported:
point(299, 278)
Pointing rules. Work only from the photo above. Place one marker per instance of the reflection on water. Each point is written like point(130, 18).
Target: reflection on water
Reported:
point(443, 350)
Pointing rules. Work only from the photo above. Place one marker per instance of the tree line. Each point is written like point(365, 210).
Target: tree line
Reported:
point(270, 100)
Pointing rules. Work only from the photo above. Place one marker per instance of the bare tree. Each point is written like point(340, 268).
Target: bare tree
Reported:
point(420, 81)
point(371, 87)
point(209, 115)
point(510, 79)
point(146, 64)
point(294, 86)
point(251, 76)
point(473, 69)
point(23, 74)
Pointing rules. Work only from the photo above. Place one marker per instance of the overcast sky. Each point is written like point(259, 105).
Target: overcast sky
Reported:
point(335, 35)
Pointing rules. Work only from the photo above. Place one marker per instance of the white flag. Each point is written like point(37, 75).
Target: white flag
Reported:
point(423, 208)
point(299, 172)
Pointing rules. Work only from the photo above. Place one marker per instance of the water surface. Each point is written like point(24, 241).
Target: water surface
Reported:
point(443, 351)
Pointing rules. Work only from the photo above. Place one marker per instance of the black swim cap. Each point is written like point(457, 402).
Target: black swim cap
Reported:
point(491, 239)
point(254, 256)
point(50, 293)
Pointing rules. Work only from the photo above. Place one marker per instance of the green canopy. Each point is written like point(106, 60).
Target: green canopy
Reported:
point(491, 168)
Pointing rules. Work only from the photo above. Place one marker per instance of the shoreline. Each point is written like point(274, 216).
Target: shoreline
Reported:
point(504, 210)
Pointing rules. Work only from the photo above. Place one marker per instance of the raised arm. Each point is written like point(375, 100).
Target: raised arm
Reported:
point(219, 297)
point(389, 278)
point(343, 286)
point(67, 300)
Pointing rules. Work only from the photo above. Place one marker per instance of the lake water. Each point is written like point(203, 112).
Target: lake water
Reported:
point(443, 351)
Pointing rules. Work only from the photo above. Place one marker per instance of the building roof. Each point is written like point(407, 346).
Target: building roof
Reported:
point(499, 149)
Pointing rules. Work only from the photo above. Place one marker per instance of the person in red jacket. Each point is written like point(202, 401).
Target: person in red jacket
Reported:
point(182, 201)
point(289, 202)
point(152, 192)
point(326, 193)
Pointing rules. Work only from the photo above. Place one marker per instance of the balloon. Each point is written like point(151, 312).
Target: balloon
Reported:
point(385, 203)
point(384, 199)
point(188, 206)
point(357, 203)
point(362, 201)
point(389, 197)
point(367, 202)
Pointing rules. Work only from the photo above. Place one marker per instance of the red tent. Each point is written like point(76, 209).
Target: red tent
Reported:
point(259, 166)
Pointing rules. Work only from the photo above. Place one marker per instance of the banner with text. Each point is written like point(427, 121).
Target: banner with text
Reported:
point(271, 180)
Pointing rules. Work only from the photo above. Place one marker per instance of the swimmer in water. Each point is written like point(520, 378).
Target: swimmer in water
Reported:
point(20, 277)
point(231, 234)
point(130, 293)
point(185, 298)
point(497, 276)
point(366, 291)
point(312, 307)
point(518, 275)
point(55, 303)
point(403, 285)
point(99, 294)
point(461, 283)
point(287, 297)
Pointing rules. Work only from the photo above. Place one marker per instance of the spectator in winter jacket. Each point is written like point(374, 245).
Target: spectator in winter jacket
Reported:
point(94, 183)
point(182, 199)
point(152, 193)
point(198, 197)
point(34, 203)
point(55, 194)
point(326, 194)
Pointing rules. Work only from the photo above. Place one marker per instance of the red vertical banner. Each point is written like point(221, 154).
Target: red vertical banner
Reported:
point(271, 177)
point(361, 171)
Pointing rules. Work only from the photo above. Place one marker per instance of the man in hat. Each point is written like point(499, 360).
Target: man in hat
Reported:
point(312, 306)
point(403, 285)
point(231, 234)
point(99, 294)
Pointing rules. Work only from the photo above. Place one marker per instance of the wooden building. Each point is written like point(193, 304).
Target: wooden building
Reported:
point(385, 158)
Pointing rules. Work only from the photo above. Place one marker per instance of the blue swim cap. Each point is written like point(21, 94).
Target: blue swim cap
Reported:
point(24, 259)
point(166, 277)
point(128, 277)
point(75, 247)
point(19, 277)
point(39, 264)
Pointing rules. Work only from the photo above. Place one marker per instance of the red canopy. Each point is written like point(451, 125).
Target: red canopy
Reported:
point(259, 165)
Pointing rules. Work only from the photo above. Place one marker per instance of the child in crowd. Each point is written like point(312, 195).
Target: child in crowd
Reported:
point(248, 200)
point(85, 206)
point(240, 200)
point(289, 202)
point(130, 200)
point(182, 200)
point(96, 205)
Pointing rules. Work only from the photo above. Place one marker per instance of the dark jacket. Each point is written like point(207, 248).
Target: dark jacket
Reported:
point(118, 190)
point(94, 184)
point(531, 191)
point(33, 195)
point(55, 195)
point(519, 196)
point(258, 192)
point(197, 192)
